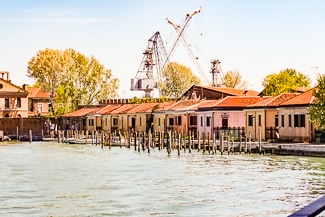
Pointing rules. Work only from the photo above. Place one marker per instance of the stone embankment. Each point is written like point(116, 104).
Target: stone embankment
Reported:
point(295, 149)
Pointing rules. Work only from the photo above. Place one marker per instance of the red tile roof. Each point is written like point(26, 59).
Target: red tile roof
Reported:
point(274, 101)
point(81, 112)
point(144, 108)
point(202, 103)
point(302, 99)
point(232, 91)
point(109, 109)
point(37, 92)
point(237, 101)
point(182, 104)
point(165, 106)
point(124, 109)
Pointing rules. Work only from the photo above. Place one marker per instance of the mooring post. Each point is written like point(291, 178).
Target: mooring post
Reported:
point(209, 142)
point(135, 140)
point(179, 144)
point(239, 148)
point(214, 143)
point(17, 134)
point(249, 142)
point(198, 141)
point(228, 143)
point(259, 141)
point(30, 136)
point(169, 142)
point(204, 143)
point(221, 142)
point(190, 142)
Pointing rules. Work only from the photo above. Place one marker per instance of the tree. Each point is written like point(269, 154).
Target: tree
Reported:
point(232, 79)
point(317, 108)
point(286, 81)
point(176, 80)
point(71, 78)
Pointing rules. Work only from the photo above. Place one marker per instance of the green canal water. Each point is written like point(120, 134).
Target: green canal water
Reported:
point(51, 179)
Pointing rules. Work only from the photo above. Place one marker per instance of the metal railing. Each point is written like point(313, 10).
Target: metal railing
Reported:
point(311, 210)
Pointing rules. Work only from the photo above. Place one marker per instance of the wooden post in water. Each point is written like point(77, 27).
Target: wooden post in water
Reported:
point(239, 148)
point(139, 142)
point(190, 139)
point(30, 136)
point(259, 141)
point(149, 140)
point(87, 135)
point(198, 141)
point(204, 147)
point(249, 143)
point(169, 142)
point(179, 144)
point(221, 143)
point(135, 140)
point(209, 142)
point(17, 134)
point(232, 145)
point(228, 143)
point(102, 139)
point(214, 143)
point(245, 144)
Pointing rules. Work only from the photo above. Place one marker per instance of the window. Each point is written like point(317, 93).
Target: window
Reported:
point(208, 121)
point(171, 121)
point(250, 120)
point(49, 107)
point(289, 120)
point(115, 121)
point(139, 121)
point(201, 120)
point(193, 120)
point(40, 107)
point(18, 102)
point(91, 122)
point(158, 121)
point(276, 120)
point(179, 120)
point(299, 120)
point(282, 120)
point(133, 123)
point(6, 102)
point(259, 120)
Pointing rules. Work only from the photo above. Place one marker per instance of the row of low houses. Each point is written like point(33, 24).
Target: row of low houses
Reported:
point(201, 109)
point(210, 110)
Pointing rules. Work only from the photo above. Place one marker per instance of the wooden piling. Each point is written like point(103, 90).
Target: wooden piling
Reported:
point(190, 142)
point(209, 142)
point(198, 141)
point(221, 143)
point(249, 143)
point(179, 144)
point(169, 143)
point(228, 143)
point(30, 136)
point(204, 147)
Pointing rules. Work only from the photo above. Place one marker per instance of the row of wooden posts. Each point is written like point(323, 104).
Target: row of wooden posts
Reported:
point(169, 140)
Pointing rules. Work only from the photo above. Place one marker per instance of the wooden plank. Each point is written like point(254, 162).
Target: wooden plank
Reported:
point(312, 209)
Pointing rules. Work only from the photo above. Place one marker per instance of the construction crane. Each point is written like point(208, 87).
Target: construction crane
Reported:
point(217, 77)
point(180, 36)
point(154, 57)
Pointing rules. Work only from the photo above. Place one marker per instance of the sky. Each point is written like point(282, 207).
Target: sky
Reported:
point(254, 37)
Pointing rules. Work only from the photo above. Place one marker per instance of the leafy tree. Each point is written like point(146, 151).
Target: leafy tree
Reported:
point(317, 108)
point(176, 80)
point(71, 78)
point(233, 79)
point(286, 81)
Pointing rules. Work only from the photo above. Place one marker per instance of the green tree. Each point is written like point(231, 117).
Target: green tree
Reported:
point(232, 79)
point(317, 108)
point(71, 78)
point(176, 80)
point(286, 81)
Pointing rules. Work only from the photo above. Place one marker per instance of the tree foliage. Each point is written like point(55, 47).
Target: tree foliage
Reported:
point(317, 108)
point(286, 81)
point(176, 80)
point(71, 78)
point(232, 79)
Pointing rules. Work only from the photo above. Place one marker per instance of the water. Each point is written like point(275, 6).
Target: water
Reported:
point(51, 179)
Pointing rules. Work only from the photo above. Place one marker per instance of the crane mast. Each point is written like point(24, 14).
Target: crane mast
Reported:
point(180, 36)
point(154, 57)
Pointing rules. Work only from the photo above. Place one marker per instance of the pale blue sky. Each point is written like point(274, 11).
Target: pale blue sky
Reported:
point(255, 37)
